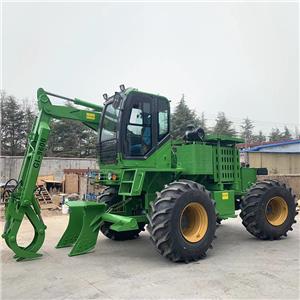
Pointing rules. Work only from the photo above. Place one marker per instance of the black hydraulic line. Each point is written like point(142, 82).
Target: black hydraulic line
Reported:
point(78, 102)
point(61, 97)
point(7, 191)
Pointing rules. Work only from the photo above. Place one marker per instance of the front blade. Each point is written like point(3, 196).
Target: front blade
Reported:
point(81, 231)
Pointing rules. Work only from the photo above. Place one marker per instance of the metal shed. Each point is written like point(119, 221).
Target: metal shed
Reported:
point(279, 157)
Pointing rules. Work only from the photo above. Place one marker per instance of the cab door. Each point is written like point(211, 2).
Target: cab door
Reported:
point(145, 124)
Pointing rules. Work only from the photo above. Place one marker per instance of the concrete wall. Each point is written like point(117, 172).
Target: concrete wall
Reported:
point(10, 166)
point(277, 163)
point(283, 163)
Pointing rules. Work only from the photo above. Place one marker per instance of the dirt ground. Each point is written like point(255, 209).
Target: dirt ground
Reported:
point(239, 266)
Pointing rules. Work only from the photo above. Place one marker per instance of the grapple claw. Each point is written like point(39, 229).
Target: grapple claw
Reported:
point(14, 218)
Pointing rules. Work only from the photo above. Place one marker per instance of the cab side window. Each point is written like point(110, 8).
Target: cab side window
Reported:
point(163, 118)
point(139, 128)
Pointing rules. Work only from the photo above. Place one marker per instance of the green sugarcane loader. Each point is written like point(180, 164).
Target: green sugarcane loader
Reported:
point(179, 189)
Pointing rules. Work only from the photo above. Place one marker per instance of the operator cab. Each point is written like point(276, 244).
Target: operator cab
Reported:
point(133, 124)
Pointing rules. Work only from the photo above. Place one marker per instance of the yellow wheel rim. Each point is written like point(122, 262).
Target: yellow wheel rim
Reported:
point(193, 222)
point(276, 211)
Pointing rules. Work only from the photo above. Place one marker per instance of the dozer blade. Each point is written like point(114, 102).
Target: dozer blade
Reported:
point(83, 227)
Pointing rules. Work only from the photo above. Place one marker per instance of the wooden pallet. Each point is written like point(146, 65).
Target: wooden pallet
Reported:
point(42, 195)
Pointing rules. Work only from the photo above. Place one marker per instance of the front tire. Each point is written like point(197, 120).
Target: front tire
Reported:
point(268, 210)
point(123, 235)
point(182, 221)
point(110, 197)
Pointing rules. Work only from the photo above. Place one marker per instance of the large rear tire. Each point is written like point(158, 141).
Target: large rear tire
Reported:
point(182, 221)
point(110, 197)
point(268, 210)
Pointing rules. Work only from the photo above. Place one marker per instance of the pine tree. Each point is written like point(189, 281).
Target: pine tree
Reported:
point(286, 134)
point(247, 130)
point(275, 135)
point(29, 117)
point(13, 127)
point(181, 118)
point(260, 138)
point(55, 140)
point(202, 123)
point(89, 142)
point(223, 125)
point(69, 138)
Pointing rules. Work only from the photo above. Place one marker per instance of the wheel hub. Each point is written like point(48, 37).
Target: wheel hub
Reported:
point(276, 211)
point(193, 222)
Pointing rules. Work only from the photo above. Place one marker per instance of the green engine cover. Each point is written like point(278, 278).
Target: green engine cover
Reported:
point(195, 159)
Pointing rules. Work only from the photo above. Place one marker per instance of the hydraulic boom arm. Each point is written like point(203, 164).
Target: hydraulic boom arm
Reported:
point(22, 201)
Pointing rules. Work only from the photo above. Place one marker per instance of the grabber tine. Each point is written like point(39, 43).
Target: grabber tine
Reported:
point(10, 235)
point(87, 238)
point(74, 227)
point(39, 232)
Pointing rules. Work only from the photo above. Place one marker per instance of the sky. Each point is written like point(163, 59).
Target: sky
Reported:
point(239, 58)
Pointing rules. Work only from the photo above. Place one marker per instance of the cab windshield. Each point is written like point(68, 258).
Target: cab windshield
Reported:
point(109, 125)
point(108, 134)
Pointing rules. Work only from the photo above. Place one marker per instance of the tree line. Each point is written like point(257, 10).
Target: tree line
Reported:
point(73, 139)
point(67, 138)
point(183, 116)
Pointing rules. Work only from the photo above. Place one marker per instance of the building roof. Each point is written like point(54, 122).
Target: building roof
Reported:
point(251, 145)
point(291, 146)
